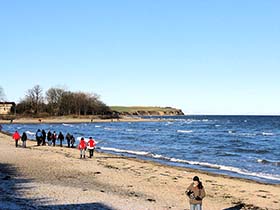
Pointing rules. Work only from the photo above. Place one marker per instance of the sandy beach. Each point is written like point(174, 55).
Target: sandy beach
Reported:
point(48, 177)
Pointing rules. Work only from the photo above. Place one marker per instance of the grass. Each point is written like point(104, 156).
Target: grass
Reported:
point(140, 108)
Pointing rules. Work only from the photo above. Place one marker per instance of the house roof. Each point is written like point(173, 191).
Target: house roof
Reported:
point(6, 102)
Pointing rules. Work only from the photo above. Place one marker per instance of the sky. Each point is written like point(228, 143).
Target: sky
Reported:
point(205, 57)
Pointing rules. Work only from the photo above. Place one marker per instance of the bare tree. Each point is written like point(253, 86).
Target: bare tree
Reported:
point(35, 97)
point(54, 98)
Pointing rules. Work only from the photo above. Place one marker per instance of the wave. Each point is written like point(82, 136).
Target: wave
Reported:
point(269, 162)
point(203, 164)
point(98, 126)
point(267, 134)
point(184, 131)
point(110, 129)
point(67, 125)
point(125, 151)
point(30, 133)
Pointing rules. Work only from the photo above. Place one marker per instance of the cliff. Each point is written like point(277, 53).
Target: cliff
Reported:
point(146, 111)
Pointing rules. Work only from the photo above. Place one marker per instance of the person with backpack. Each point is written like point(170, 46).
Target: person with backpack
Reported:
point(82, 147)
point(16, 137)
point(61, 138)
point(195, 193)
point(39, 137)
point(91, 146)
point(24, 139)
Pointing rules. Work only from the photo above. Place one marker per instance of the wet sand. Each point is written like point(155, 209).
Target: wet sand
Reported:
point(54, 177)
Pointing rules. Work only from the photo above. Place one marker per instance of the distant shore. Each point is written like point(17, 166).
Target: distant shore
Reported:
point(55, 177)
point(77, 120)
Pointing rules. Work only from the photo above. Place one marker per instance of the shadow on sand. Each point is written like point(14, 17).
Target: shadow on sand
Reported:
point(237, 207)
point(12, 188)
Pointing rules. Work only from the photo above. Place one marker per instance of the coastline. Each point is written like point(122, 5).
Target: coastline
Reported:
point(58, 120)
point(122, 182)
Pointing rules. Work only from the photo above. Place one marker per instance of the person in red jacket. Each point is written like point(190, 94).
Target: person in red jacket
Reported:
point(82, 147)
point(91, 146)
point(16, 137)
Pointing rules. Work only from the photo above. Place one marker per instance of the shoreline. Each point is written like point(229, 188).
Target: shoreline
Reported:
point(226, 174)
point(128, 183)
point(59, 120)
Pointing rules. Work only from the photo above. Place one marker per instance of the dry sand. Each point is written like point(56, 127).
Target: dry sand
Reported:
point(48, 177)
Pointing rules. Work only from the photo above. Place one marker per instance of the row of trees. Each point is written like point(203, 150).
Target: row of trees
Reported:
point(58, 101)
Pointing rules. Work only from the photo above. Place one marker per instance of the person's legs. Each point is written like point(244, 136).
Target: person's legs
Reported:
point(198, 207)
point(81, 153)
point(192, 207)
point(84, 153)
point(16, 141)
point(90, 153)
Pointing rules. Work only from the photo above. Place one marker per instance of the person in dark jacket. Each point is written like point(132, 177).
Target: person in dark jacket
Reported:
point(68, 138)
point(61, 138)
point(24, 139)
point(44, 136)
point(49, 138)
point(72, 140)
point(54, 138)
point(39, 137)
point(196, 193)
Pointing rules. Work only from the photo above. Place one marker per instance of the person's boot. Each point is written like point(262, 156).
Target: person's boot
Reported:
point(84, 156)
point(80, 156)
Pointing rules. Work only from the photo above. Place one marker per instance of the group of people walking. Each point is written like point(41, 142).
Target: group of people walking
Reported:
point(51, 137)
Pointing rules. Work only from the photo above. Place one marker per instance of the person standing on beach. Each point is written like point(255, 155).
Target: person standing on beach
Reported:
point(49, 138)
point(39, 137)
point(16, 137)
point(61, 138)
point(91, 146)
point(196, 193)
point(24, 139)
point(82, 147)
point(44, 135)
point(68, 138)
point(53, 138)
point(72, 140)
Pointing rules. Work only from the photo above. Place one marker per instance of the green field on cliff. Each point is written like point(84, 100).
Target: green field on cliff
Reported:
point(140, 108)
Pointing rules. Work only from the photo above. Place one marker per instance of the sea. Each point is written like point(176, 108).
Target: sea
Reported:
point(239, 146)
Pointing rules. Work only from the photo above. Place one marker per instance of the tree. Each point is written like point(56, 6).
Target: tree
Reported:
point(34, 97)
point(54, 98)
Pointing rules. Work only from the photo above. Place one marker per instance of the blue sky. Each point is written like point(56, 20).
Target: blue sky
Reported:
point(206, 57)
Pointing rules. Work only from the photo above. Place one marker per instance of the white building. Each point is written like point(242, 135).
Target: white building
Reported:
point(6, 107)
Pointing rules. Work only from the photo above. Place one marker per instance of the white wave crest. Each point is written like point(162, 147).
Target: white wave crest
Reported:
point(204, 164)
point(184, 131)
point(30, 133)
point(267, 134)
point(67, 125)
point(125, 151)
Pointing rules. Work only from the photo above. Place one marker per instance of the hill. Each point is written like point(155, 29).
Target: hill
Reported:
point(146, 110)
